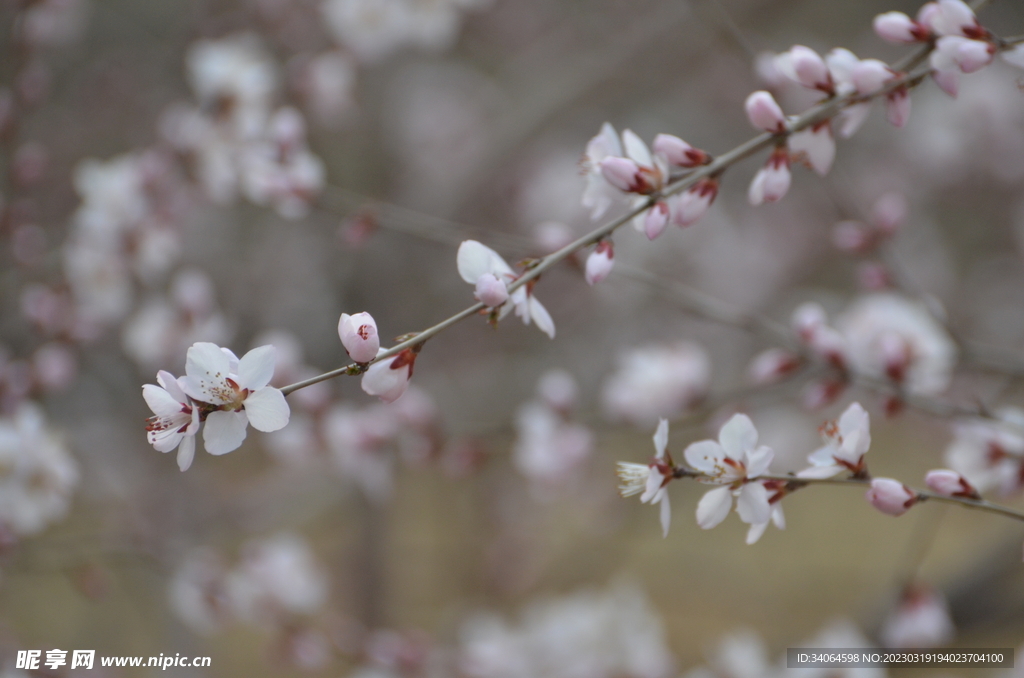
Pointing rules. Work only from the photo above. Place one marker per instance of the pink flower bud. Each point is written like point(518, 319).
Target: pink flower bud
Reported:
point(359, 336)
point(772, 182)
point(870, 75)
point(491, 291)
point(899, 28)
point(600, 262)
point(810, 68)
point(890, 496)
point(764, 113)
point(389, 379)
point(950, 484)
point(969, 55)
point(678, 152)
point(926, 15)
point(656, 219)
point(955, 17)
point(625, 175)
point(694, 203)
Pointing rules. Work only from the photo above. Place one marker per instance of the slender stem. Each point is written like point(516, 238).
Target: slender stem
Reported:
point(922, 495)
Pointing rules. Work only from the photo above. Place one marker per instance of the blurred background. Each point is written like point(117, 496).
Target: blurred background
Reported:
point(244, 171)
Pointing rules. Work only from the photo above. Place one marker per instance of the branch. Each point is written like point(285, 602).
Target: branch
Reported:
point(818, 113)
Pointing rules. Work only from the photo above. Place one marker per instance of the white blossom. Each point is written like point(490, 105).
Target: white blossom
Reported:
point(237, 392)
point(476, 260)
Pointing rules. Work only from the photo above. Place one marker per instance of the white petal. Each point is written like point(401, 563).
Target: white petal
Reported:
point(752, 504)
point(854, 417)
point(164, 441)
point(256, 368)
point(206, 368)
point(474, 259)
point(852, 118)
point(170, 384)
point(816, 146)
point(385, 383)
point(160, 401)
point(666, 515)
point(824, 456)
point(714, 507)
point(186, 452)
point(661, 438)
point(820, 471)
point(636, 149)
point(224, 431)
point(737, 436)
point(778, 517)
point(758, 461)
point(755, 532)
point(653, 490)
point(704, 455)
point(541, 316)
point(267, 409)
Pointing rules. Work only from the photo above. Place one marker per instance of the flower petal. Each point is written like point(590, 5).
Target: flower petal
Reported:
point(541, 316)
point(160, 401)
point(666, 514)
point(267, 409)
point(170, 384)
point(758, 461)
point(755, 532)
point(206, 368)
point(737, 436)
point(636, 149)
point(186, 452)
point(820, 471)
point(752, 504)
point(714, 507)
point(705, 455)
point(661, 438)
point(256, 368)
point(474, 259)
point(224, 431)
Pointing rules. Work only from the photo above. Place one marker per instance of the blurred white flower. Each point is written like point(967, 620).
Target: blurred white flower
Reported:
point(278, 575)
point(37, 475)
point(612, 634)
point(989, 454)
point(889, 336)
point(921, 619)
point(656, 381)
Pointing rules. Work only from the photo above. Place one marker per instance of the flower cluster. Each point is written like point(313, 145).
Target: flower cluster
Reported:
point(225, 392)
point(237, 141)
point(617, 170)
